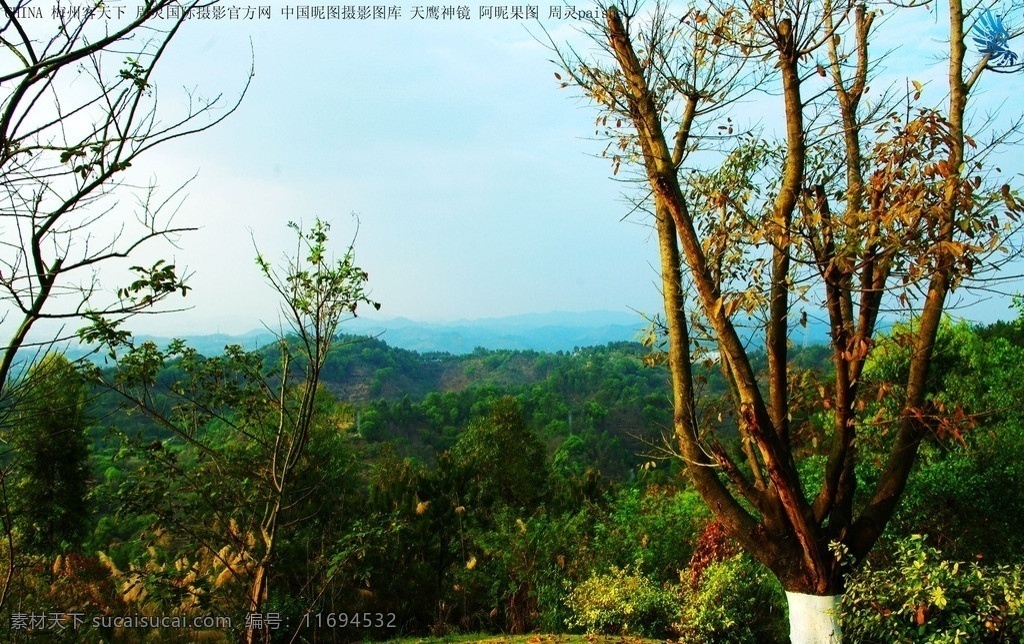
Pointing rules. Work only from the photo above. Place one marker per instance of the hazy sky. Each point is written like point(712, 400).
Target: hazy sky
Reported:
point(469, 168)
point(471, 171)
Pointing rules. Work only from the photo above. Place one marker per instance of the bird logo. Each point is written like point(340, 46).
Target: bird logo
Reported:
point(992, 40)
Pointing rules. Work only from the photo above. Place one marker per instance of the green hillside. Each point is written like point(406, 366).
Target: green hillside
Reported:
point(496, 491)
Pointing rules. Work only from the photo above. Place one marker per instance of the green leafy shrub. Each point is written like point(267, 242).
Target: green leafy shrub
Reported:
point(651, 528)
point(530, 563)
point(733, 600)
point(924, 598)
point(623, 602)
point(969, 502)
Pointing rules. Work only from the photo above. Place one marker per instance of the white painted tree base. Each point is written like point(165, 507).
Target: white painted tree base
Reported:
point(814, 619)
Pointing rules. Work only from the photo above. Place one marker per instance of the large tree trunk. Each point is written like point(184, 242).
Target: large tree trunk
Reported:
point(768, 511)
point(814, 619)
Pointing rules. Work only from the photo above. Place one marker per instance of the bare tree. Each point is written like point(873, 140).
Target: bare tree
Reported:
point(78, 107)
point(856, 209)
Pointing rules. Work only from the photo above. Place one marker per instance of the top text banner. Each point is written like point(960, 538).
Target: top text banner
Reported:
point(320, 13)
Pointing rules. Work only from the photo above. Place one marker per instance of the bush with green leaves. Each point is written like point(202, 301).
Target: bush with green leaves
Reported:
point(922, 597)
point(653, 528)
point(622, 602)
point(48, 482)
point(970, 501)
point(735, 600)
point(530, 562)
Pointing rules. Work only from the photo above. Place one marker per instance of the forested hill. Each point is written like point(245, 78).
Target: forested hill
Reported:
point(605, 407)
point(361, 369)
point(606, 398)
point(435, 479)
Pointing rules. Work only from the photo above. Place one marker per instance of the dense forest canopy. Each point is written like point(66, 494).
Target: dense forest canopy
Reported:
point(501, 491)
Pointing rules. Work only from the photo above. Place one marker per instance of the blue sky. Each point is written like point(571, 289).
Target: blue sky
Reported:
point(472, 174)
point(469, 168)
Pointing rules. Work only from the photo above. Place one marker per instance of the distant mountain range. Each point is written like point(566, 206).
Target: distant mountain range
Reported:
point(550, 332)
point(538, 332)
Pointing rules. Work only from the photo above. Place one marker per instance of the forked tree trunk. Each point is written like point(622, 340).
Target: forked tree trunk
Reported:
point(769, 512)
point(814, 619)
